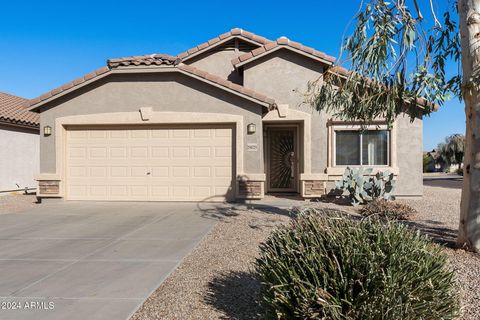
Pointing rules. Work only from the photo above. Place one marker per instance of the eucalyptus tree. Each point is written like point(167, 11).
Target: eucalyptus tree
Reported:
point(398, 56)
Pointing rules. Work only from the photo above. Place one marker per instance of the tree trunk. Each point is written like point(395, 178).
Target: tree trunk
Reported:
point(469, 229)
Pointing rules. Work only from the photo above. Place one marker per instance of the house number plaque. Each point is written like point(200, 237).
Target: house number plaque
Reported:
point(252, 147)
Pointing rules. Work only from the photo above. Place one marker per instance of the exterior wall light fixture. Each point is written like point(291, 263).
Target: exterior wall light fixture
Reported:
point(47, 130)
point(251, 128)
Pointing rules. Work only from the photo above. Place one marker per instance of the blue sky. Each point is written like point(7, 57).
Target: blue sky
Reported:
point(47, 43)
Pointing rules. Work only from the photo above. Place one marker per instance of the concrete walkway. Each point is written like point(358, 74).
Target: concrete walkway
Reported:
point(87, 260)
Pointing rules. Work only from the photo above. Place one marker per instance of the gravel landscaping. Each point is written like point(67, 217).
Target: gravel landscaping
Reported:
point(216, 281)
point(14, 202)
point(438, 215)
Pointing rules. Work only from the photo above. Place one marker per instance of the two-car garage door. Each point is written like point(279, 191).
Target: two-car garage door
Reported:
point(190, 163)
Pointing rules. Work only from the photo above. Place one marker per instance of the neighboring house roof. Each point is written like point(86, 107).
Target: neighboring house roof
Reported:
point(234, 33)
point(152, 61)
point(282, 43)
point(13, 111)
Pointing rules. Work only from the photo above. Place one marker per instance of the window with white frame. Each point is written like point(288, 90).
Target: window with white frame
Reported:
point(362, 148)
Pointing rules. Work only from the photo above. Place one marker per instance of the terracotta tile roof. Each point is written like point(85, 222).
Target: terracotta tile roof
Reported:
point(236, 32)
point(282, 42)
point(13, 110)
point(155, 59)
point(69, 85)
point(227, 84)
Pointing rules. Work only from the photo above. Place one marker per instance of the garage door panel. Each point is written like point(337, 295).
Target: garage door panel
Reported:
point(156, 164)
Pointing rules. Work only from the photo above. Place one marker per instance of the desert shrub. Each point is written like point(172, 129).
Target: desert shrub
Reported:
point(326, 266)
point(362, 187)
point(391, 210)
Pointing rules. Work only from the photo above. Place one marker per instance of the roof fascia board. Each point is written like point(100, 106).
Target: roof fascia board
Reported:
point(19, 125)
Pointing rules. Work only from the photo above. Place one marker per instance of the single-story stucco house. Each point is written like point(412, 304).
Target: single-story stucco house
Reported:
point(19, 144)
point(225, 120)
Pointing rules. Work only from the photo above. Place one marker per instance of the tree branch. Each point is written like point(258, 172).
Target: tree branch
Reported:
point(420, 16)
point(437, 23)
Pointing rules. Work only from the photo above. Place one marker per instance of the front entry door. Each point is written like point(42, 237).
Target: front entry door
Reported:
point(282, 159)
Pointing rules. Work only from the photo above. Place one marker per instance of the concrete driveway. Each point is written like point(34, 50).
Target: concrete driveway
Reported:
point(87, 260)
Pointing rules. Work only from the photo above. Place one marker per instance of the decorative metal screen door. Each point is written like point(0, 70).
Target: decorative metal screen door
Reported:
point(282, 155)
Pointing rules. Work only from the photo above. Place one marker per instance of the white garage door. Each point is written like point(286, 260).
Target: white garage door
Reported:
point(150, 164)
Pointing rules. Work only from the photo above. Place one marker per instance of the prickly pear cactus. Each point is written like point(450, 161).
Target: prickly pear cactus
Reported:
point(362, 187)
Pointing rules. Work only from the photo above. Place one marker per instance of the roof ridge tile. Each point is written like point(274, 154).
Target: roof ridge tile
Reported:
point(235, 32)
point(283, 42)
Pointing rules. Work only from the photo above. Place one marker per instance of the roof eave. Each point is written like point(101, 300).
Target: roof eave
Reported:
point(20, 124)
point(216, 44)
point(280, 47)
point(34, 107)
point(262, 103)
point(145, 69)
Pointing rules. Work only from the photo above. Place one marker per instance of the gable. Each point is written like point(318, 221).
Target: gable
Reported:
point(283, 75)
point(165, 91)
point(235, 33)
point(217, 60)
point(280, 44)
point(141, 65)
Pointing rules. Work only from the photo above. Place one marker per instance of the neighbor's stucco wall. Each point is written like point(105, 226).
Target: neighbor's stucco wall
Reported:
point(160, 91)
point(19, 157)
point(284, 76)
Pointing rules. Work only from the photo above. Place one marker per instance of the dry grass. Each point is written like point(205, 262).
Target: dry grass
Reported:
point(392, 210)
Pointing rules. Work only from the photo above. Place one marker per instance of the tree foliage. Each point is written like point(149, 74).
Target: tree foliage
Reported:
point(452, 150)
point(396, 60)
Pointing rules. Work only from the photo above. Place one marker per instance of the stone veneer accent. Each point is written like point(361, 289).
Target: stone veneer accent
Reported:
point(250, 189)
point(313, 188)
point(49, 186)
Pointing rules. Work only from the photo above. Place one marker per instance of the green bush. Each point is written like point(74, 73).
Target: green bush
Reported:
point(327, 266)
point(391, 210)
point(427, 162)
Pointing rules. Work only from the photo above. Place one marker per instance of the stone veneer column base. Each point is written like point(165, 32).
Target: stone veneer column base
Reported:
point(313, 185)
point(313, 188)
point(250, 189)
point(49, 187)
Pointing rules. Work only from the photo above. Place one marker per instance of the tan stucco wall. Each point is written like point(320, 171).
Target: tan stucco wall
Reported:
point(163, 92)
point(284, 75)
point(19, 157)
point(218, 63)
point(409, 156)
